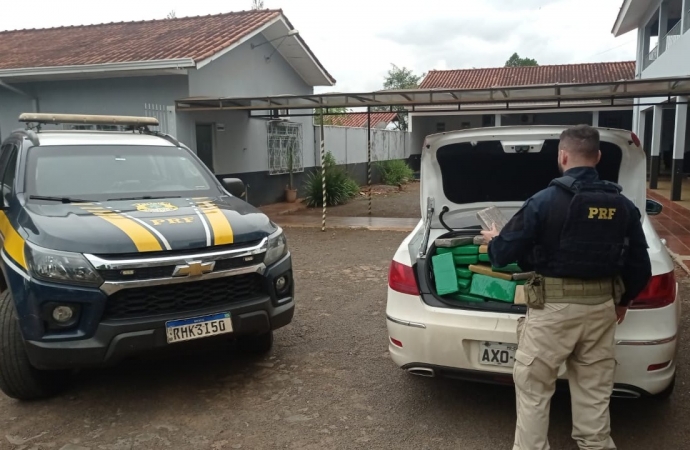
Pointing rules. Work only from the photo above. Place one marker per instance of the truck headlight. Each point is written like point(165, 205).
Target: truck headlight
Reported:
point(277, 247)
point(61, 267)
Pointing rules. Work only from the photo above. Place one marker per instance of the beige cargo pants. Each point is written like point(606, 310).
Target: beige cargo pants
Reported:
point(582, 336)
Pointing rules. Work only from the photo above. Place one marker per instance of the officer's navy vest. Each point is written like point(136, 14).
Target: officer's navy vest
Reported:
point(588, 241)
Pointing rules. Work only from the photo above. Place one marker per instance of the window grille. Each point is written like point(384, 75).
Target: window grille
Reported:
point(284, 138)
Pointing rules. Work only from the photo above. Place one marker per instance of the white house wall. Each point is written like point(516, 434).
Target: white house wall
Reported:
point(349, 145)
point(675, 61)
point(244, 72)
point(118, 96)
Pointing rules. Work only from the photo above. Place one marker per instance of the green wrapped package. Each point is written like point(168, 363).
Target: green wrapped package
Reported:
point(512, 268)
point(464, 283)
point(467, 298)
point(443, 251)
point(465, 260)
point(466, 250)
point(464, 290)
point(484, 257)
point(444, 274)
point(494, 288)
point(463, 272)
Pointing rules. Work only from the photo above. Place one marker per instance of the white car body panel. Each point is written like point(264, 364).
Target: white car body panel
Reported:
point(450, 337)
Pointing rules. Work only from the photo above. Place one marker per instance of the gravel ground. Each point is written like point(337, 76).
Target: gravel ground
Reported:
point(328, 384)
point(386, 201)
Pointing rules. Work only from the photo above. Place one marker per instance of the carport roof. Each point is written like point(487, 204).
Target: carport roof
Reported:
point(618, 93)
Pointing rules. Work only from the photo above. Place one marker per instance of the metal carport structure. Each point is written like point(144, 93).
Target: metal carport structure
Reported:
point(640, 92)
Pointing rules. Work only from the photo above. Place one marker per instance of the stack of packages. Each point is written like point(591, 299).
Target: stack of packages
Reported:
point(463, 271)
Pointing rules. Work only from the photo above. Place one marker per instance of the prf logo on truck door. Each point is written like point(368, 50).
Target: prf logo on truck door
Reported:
point(601, 213)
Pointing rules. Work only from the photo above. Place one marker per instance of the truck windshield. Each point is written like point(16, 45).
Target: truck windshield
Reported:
point(110, 171)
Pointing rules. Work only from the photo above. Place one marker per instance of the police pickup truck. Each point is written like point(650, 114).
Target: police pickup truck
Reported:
point(115, 243)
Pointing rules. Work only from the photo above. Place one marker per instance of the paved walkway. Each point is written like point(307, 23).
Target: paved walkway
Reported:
point(673, 224)
point(368, 223)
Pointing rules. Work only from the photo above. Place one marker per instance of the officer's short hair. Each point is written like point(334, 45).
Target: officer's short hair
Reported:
point(582, 140)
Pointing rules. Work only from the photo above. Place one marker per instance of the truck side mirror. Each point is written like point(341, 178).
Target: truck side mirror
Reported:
point(234, 186)
point(653, 207)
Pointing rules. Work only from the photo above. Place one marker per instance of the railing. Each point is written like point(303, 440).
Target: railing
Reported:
point(672, 36)
point(651, 57)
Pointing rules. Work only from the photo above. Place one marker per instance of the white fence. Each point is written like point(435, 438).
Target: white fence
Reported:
point(349, 145)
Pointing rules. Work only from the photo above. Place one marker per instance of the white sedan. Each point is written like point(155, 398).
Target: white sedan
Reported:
point(466, 171)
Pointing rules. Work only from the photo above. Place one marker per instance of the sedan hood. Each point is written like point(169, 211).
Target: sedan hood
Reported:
point(137, 226)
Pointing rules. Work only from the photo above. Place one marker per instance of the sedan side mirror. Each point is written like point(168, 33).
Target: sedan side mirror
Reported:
point(653, 207)
point(234, 186)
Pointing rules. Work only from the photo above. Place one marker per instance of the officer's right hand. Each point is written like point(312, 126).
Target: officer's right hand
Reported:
point(490, 234)
point(621, 311)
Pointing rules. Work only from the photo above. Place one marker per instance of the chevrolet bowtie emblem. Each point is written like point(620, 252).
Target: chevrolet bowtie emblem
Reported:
point(194, 269)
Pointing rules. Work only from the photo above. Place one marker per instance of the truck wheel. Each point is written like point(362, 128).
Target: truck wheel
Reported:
point(256, 345)
point(18, 378)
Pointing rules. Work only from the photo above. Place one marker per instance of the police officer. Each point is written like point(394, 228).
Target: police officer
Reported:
point(584, 241)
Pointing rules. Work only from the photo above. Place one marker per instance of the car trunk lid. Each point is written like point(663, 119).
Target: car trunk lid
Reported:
point(466, 171)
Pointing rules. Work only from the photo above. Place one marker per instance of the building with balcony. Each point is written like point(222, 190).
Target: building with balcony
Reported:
point(663, 50)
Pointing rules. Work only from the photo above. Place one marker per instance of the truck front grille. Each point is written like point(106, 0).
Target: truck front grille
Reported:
point(182, 297)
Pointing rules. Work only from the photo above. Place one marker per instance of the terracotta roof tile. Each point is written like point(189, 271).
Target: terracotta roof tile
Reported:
point(196, 37)
point(523, 76)
point(358, 120)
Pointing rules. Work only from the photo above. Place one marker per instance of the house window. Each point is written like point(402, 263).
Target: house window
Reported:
point(284, 139)
point(440, 127)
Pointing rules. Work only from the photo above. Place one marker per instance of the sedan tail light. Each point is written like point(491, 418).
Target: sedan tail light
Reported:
point(401, 279)
point(660, 292)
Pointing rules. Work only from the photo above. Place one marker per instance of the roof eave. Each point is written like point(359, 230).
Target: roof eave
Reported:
point(328, 79)
point(29, 72)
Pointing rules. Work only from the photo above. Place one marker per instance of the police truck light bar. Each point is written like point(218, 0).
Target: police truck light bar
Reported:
point(88, 119)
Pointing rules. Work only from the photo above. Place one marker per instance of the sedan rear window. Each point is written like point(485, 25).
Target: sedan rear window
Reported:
point(485, 173)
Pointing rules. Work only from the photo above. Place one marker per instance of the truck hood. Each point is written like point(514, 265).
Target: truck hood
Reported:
point(466, 171)
point(122, 227)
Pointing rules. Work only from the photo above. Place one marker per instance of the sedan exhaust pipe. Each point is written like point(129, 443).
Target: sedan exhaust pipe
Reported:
point(422, 372)
point(625, 393)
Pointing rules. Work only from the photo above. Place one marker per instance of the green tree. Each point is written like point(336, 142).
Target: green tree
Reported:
point(400, 78)
point(257, 4)
point(330, 119)
point(171, 15)
point(516, 61)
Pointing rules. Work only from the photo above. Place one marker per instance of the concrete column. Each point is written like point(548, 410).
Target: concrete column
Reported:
point(663, 26)
point(641, 124)
point(645, 44)
point(595, 118)
point(656, 147)
point(684, 16)
point(498, 120)
point(639, 60)
point(679, 147)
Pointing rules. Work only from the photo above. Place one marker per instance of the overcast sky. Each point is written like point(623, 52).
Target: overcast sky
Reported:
point(357, 40)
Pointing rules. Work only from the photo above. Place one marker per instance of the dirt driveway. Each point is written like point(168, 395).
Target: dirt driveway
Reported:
point(329, 384)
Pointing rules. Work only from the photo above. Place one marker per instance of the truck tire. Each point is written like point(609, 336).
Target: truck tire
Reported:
point(18, 378)
point(256, 345)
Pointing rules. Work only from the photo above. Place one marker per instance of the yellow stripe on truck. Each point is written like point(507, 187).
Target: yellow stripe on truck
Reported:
point(222, 231)
point(14, 243)
point(142, 238)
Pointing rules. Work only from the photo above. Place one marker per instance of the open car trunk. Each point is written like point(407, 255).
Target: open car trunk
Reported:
point(465, 172)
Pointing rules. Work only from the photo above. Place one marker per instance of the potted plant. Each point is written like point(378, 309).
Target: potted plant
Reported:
point(290, 191)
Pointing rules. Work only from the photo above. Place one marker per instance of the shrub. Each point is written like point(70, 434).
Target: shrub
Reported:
point(394, 172)
point(340, 187)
